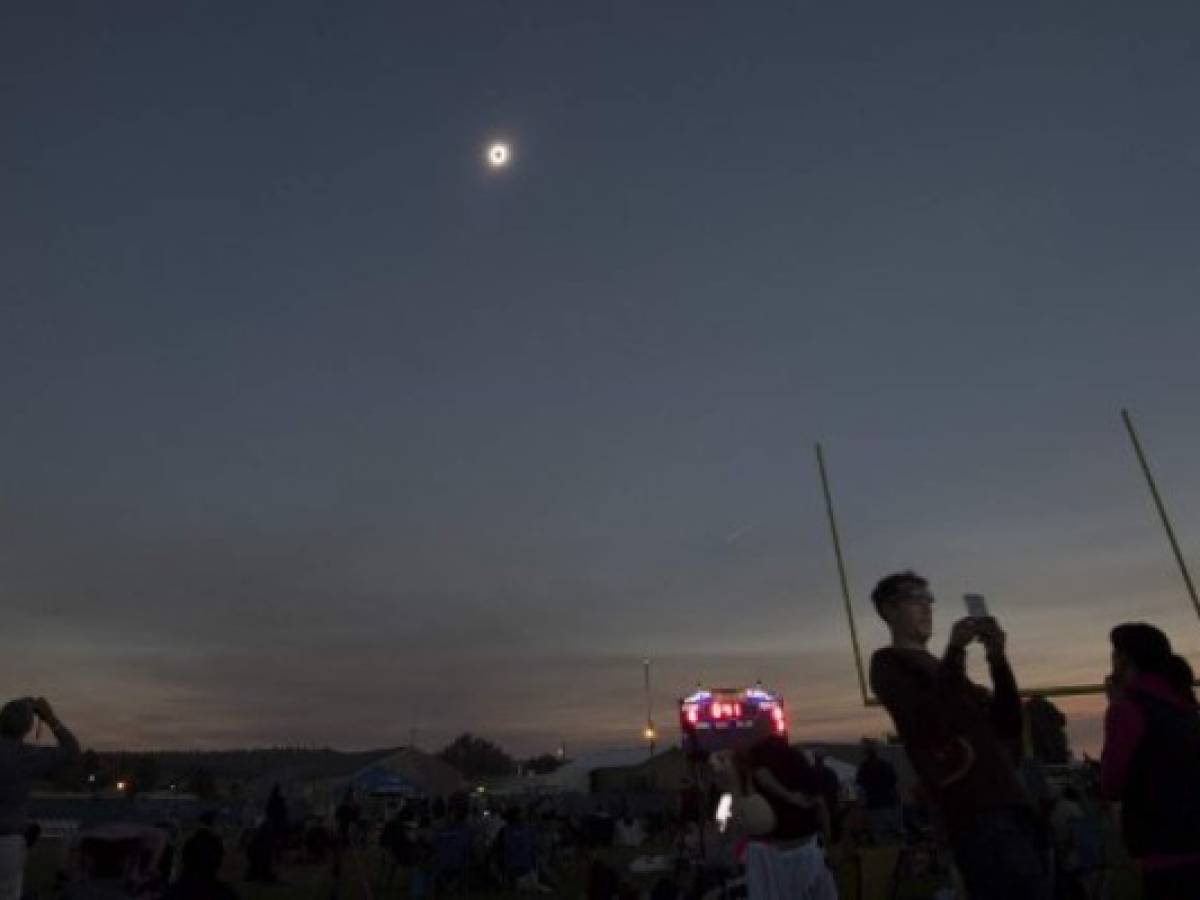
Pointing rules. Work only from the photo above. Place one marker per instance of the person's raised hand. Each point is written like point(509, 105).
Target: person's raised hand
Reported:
point(41, 706)
point(963, 632)
point(991, 635)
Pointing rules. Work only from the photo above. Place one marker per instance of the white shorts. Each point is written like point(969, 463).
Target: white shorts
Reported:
point(796, 873)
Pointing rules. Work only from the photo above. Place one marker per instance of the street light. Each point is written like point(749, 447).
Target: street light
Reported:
point(649, 732)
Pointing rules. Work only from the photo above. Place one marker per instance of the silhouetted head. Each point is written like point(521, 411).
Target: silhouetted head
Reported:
point(904, 601)
point(16, 718)
point(1138, 649)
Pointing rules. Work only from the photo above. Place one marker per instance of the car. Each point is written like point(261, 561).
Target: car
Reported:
point(730, 718)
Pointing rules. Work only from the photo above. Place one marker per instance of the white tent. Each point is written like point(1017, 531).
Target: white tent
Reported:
point(575, 776)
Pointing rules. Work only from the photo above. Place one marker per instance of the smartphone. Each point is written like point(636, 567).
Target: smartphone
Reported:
point(724, 812)
point(976, 606)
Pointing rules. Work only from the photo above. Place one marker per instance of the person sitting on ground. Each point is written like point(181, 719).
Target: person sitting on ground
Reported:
point(201, 860)
point(961, 740)
point(1151, 761)
point(20, 766)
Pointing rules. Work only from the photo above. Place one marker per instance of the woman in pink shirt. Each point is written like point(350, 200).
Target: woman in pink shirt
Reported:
point(1151, 760)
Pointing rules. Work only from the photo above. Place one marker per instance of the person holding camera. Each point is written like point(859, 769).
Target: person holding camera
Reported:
point(20, 766)
point(962, 740)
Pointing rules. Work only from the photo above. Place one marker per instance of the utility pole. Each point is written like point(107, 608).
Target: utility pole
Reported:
point(650, 733)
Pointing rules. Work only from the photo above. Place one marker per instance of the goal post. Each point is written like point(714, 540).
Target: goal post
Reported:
point(1060, 690)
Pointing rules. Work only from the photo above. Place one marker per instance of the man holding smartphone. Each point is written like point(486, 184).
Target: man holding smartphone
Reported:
point(962, 739)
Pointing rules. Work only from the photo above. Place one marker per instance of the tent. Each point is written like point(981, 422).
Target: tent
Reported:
point(576, 776)
point(382, 783)
point(409, 772)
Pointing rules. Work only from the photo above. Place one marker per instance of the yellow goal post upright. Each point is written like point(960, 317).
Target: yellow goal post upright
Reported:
point(1057, 690)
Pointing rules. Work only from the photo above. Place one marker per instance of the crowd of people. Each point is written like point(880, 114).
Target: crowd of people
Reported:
point(975, 799)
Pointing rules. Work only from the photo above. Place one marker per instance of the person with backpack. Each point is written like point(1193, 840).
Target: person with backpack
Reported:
point(1151, 761)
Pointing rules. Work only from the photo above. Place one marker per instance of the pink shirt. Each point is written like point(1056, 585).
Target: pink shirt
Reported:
point(1124, 728)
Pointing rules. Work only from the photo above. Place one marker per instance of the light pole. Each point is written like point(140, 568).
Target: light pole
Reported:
point(649, 732)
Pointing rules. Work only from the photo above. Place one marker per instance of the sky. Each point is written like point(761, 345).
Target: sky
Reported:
point(318, 431)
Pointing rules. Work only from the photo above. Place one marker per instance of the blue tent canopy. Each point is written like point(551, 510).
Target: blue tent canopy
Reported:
point(381, 781)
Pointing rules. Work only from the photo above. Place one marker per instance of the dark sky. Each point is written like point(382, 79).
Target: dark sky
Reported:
point(316, 431)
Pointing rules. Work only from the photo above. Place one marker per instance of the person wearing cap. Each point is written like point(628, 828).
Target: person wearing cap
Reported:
point(20, 766)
